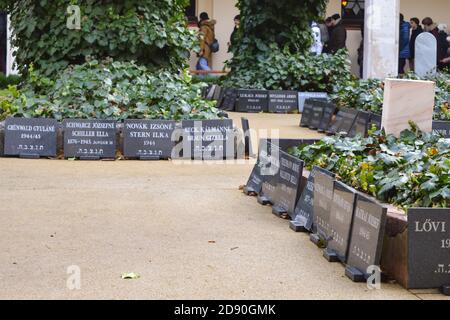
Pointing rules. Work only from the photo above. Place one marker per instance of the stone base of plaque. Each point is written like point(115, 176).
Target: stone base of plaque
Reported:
point(330, 255)
point(29, 156)
point(446, 290)
point(317, 240)
point(279, 212)
point(263, 200)
point(249, 191)
point(89, 158)
point(149, 158)
point(297, 227)
point(354, 274)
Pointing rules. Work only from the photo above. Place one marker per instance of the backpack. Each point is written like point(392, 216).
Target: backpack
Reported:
point(215, 46)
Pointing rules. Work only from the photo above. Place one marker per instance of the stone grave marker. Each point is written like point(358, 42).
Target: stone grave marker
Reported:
point(329, 109)
point(255, 181)
point(344, 121)
point(323, 198)
point(283, 101)
point(407, 100)
point(361, 125)
point(375, 120)
point(366, 241)
point(442, 128)
point(288, 188)
point(270, 171)
point(89, 139)
point(429, 248)
point(303, 96)
point(341, 220)
point(217, 93)
point(425, 62)
point(208, 139)
point(227, 101)
point(253, 101)
point(303, 218)
point(317, 115)
point(307, 114)
point(148, 139)
point(247, 137)
point(30, 138)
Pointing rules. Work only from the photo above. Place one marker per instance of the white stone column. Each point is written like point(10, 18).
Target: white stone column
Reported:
point(10, 69)
point(381, 38)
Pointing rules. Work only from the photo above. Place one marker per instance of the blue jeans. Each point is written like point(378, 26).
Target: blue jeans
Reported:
point(202, 64)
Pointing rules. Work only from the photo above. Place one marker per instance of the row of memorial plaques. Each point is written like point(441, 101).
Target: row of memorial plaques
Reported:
point(256, 101)
point(348, 223)
point(326, 117)
point(142, 139)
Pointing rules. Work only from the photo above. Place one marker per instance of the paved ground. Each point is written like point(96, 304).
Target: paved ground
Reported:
point(186, 229)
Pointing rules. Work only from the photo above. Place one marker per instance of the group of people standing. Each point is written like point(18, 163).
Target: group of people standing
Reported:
point(409, 31)
point(329, 36)
point(208, 41)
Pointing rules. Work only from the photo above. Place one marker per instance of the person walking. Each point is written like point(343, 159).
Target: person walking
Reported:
point(416, 30)
point(338, 36)
point(405, 28)
point(207, 32)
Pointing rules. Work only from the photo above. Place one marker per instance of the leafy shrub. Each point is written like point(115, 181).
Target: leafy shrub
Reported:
point(11, 80)
point(152, 33)
point(410, 171)
point(7, 98)
point(274, 34)
point(359, 94)
point(368, 95)
point(113, 90)
point(286, 71)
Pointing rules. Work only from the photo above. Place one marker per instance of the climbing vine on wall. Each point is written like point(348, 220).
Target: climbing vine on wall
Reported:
point(271, 28)
point(152, 33)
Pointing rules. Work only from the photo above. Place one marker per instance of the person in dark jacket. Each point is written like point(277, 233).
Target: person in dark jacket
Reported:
point(442, 46)
point(338, 36)
point(361, 54)
point(416, 30)
point(403, 44)
point(237, 23)
point(439, 34)
point(329, 27)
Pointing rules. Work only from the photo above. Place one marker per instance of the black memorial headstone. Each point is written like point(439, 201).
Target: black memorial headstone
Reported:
point(329, 109)
point(30, 138)
point(270, 170)
point(361, 125)
point(344, 121)
point(256, 179)
point(307, 114)
point(317, 115)
point(252, 101)
point(89, 139)
point(247, 137)
point(303, 96)
point(429, 248)
point(283, 101)
point(323, 198)
point(288, 189)
point(303, 218)
point(442, 128)
point(148, 139)
point(208, 139)
point(227, 100)
point(341, 219)
point(366, 240)
point(375, 121)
